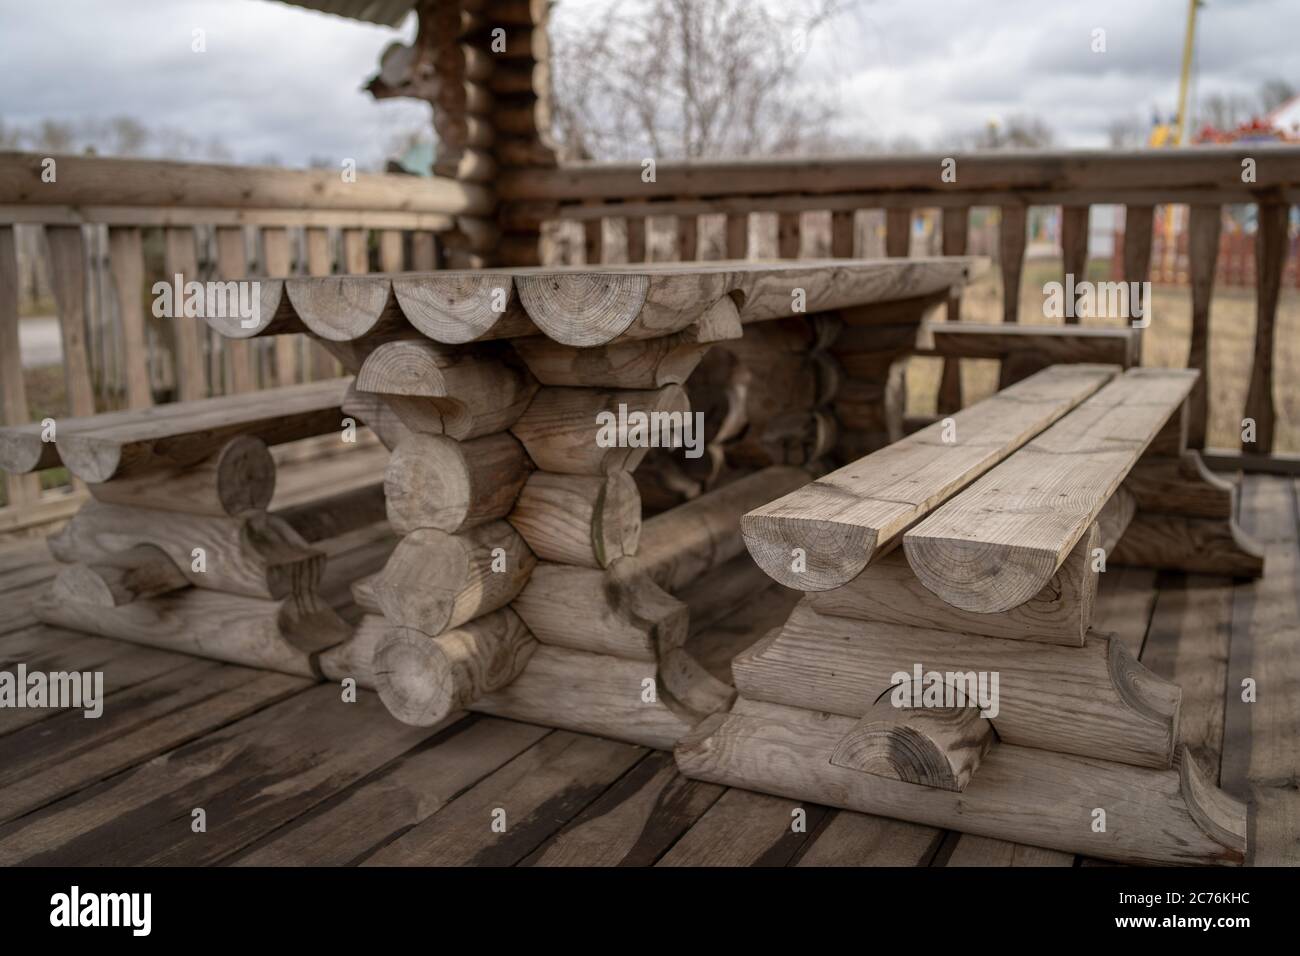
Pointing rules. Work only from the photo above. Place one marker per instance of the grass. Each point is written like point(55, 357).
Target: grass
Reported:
point(1165, 344)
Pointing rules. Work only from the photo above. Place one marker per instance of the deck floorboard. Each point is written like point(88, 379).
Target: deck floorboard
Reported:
point(287, 772)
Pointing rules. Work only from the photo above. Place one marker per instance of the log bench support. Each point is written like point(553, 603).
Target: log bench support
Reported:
point(969, 564)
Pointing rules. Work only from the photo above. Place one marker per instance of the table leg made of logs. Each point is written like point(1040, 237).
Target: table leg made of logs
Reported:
point(561, 514)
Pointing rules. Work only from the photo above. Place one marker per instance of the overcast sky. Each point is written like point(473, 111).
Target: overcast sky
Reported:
point(279, 81)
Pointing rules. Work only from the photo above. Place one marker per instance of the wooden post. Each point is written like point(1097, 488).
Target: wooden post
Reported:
point(424, 253)
point(842, 234)
point(278, 264)
point(68, 276)
point(1203, 257)
point(356, 252)
point(22, 489)
point(126, 261)
point(1011, 244)
point(738, 236)
point(898, 232)
point(955, 229)
point(320, 262)
point(180, 258)
point(1074, 250)
point(390, 250)
point(688, 238)
point(232, 263)
point(1270, 253)
point(635, 238)
point(593, 241)
point(787, 235)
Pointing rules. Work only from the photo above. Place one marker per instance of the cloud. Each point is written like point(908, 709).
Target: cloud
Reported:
point(281, 81)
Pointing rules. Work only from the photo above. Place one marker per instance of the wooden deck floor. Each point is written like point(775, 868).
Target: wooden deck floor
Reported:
point(287, 773)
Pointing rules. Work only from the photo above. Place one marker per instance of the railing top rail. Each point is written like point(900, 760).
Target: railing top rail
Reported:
point(103, 181)
point(1189, 170)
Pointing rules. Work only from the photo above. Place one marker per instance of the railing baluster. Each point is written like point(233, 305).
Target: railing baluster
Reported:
point(1204, 224)
point(635, 238)
point(391, 258)
point(593, 241)
point(320, 262)
point(898, 232)
point(126, 263)
point(1074, 250)
point(842, 234)
point(278, 264)
point(738, 235)
point(68, 277)
point(356, 252)
point(955, 227)
point(21, 489)
point(1270, 253)
point(787, 235)
point(181, 257)
point(1011, 250)
point(688, 238)
point(232, 263)
point(424, 253)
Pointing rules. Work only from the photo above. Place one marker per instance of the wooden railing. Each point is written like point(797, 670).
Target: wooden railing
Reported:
point(112, 227)
point(1205, 178)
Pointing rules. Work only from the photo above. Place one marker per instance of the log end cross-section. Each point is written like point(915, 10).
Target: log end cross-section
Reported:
point(937, 747)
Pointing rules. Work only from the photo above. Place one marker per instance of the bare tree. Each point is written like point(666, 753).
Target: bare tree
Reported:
point(689, 79)
point(1015, 132)
point(1273, 93)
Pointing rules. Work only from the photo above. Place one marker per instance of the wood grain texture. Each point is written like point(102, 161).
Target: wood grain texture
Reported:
point(1175, 815)
point(20, 488)
point(619, 612)
point(67, 258)
point(998, 543)
point(141, 572)
point(535, 794)
point(591, 694)
point(840, 521)
point(126, 260)
point(746, 829)
point(118, 444)
point(278, 635)
point(463, 393)
point(181, 258)
point(437, 482)
point(636, 364)
point(1095, 700)
point(587, 431)
point(632, 823)
point(460, 307)
point(1204, 225)
point(435, 581)
point(585, 520)
point(259, 556)
point(252, 777)
point(411, 789)
point(238, 481)
point(929, 746)
point(1259, 758)
point(1271, 248)
point(888, 591)
point(423, 680)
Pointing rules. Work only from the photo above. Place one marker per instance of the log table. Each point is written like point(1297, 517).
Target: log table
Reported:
point(571, 453)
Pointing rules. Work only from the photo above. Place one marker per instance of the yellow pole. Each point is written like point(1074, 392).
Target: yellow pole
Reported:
point(1189, 44)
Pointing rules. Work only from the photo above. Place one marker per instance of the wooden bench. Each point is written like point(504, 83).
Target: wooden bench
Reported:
point(974, 548)
point(1026, 349)
point(199, 537)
